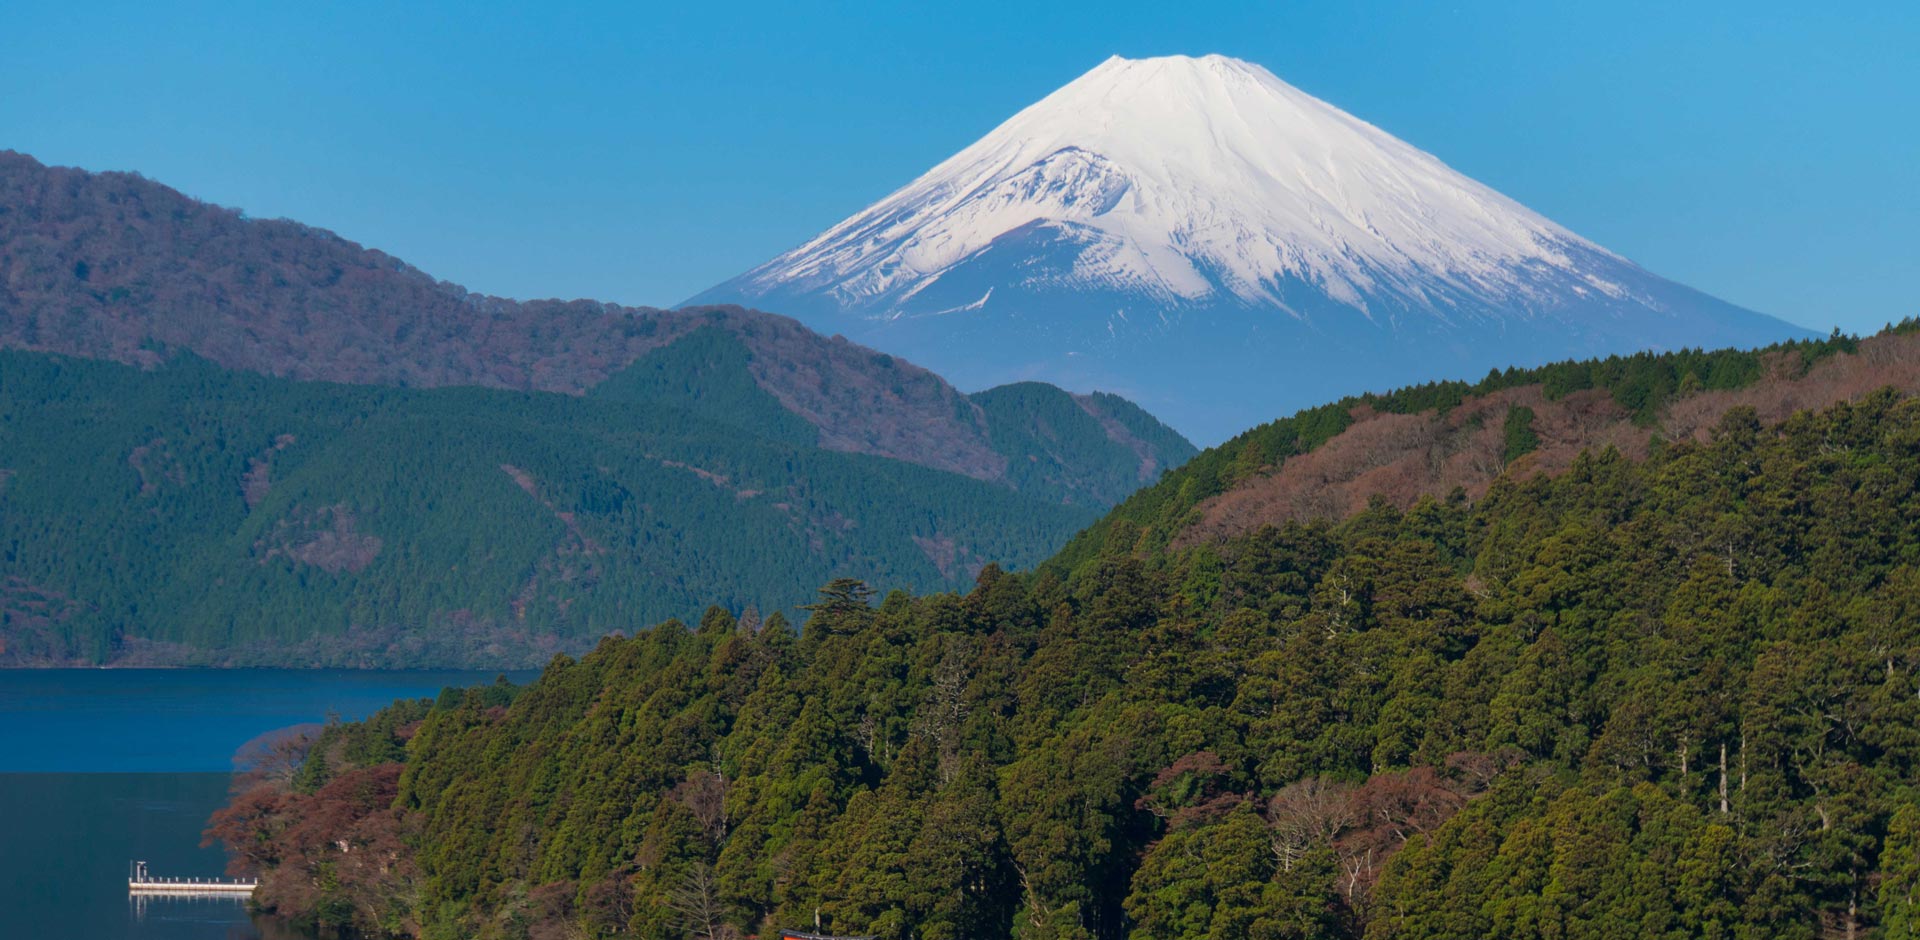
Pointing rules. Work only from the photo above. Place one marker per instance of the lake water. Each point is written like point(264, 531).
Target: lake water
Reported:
point(99, 767)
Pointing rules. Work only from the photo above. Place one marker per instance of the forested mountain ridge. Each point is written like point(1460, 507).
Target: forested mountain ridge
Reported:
point(1332, 461)
point(1668, 695)
point(194, 514)
point(115, 266)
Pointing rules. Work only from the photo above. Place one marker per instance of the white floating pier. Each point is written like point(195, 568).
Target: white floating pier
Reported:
point(140, 881)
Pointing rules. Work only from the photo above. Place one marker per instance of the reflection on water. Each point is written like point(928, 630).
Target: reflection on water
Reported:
point(210, 917)
point(216, 905)
point(207, 916)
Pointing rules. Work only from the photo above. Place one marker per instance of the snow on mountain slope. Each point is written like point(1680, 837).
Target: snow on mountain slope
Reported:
point(1197, 233)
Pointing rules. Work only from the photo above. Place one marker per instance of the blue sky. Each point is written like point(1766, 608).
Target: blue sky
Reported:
point(1768, 153)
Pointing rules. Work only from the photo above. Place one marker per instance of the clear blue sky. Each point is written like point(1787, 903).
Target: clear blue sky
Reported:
point(1765, 152)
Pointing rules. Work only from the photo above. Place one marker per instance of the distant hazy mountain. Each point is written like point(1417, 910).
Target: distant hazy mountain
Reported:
point(1216, 244)
point(211, 500)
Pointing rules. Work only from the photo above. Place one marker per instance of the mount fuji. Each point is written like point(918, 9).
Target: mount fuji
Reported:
point(1202, 237)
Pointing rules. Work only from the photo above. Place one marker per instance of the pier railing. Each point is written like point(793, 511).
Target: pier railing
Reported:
point(141, 881)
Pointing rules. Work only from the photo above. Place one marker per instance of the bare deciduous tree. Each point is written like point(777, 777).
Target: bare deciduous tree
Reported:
point(696, 904)
point(1306, 813)
point(272, 758)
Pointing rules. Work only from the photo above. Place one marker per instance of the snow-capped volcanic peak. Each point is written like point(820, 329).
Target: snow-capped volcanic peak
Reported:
point(1223, 248)
point(1187, 180)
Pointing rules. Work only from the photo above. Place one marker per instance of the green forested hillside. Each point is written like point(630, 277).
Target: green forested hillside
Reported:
point(194, 514)
point(1675, 697)
point(1641, 384)
point(705, 375)
point(1088, 451)
point(1092, 449)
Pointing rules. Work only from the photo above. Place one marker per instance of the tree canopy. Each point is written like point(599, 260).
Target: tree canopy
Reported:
point(1674, 697)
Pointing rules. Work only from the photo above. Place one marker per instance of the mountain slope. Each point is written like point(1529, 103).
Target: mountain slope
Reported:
point(1204, 238)
point(1085, 447)
point(496, 480)
point(114, 266)
point(193, 514)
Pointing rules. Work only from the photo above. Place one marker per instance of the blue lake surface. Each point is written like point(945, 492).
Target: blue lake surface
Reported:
point(99, 767)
